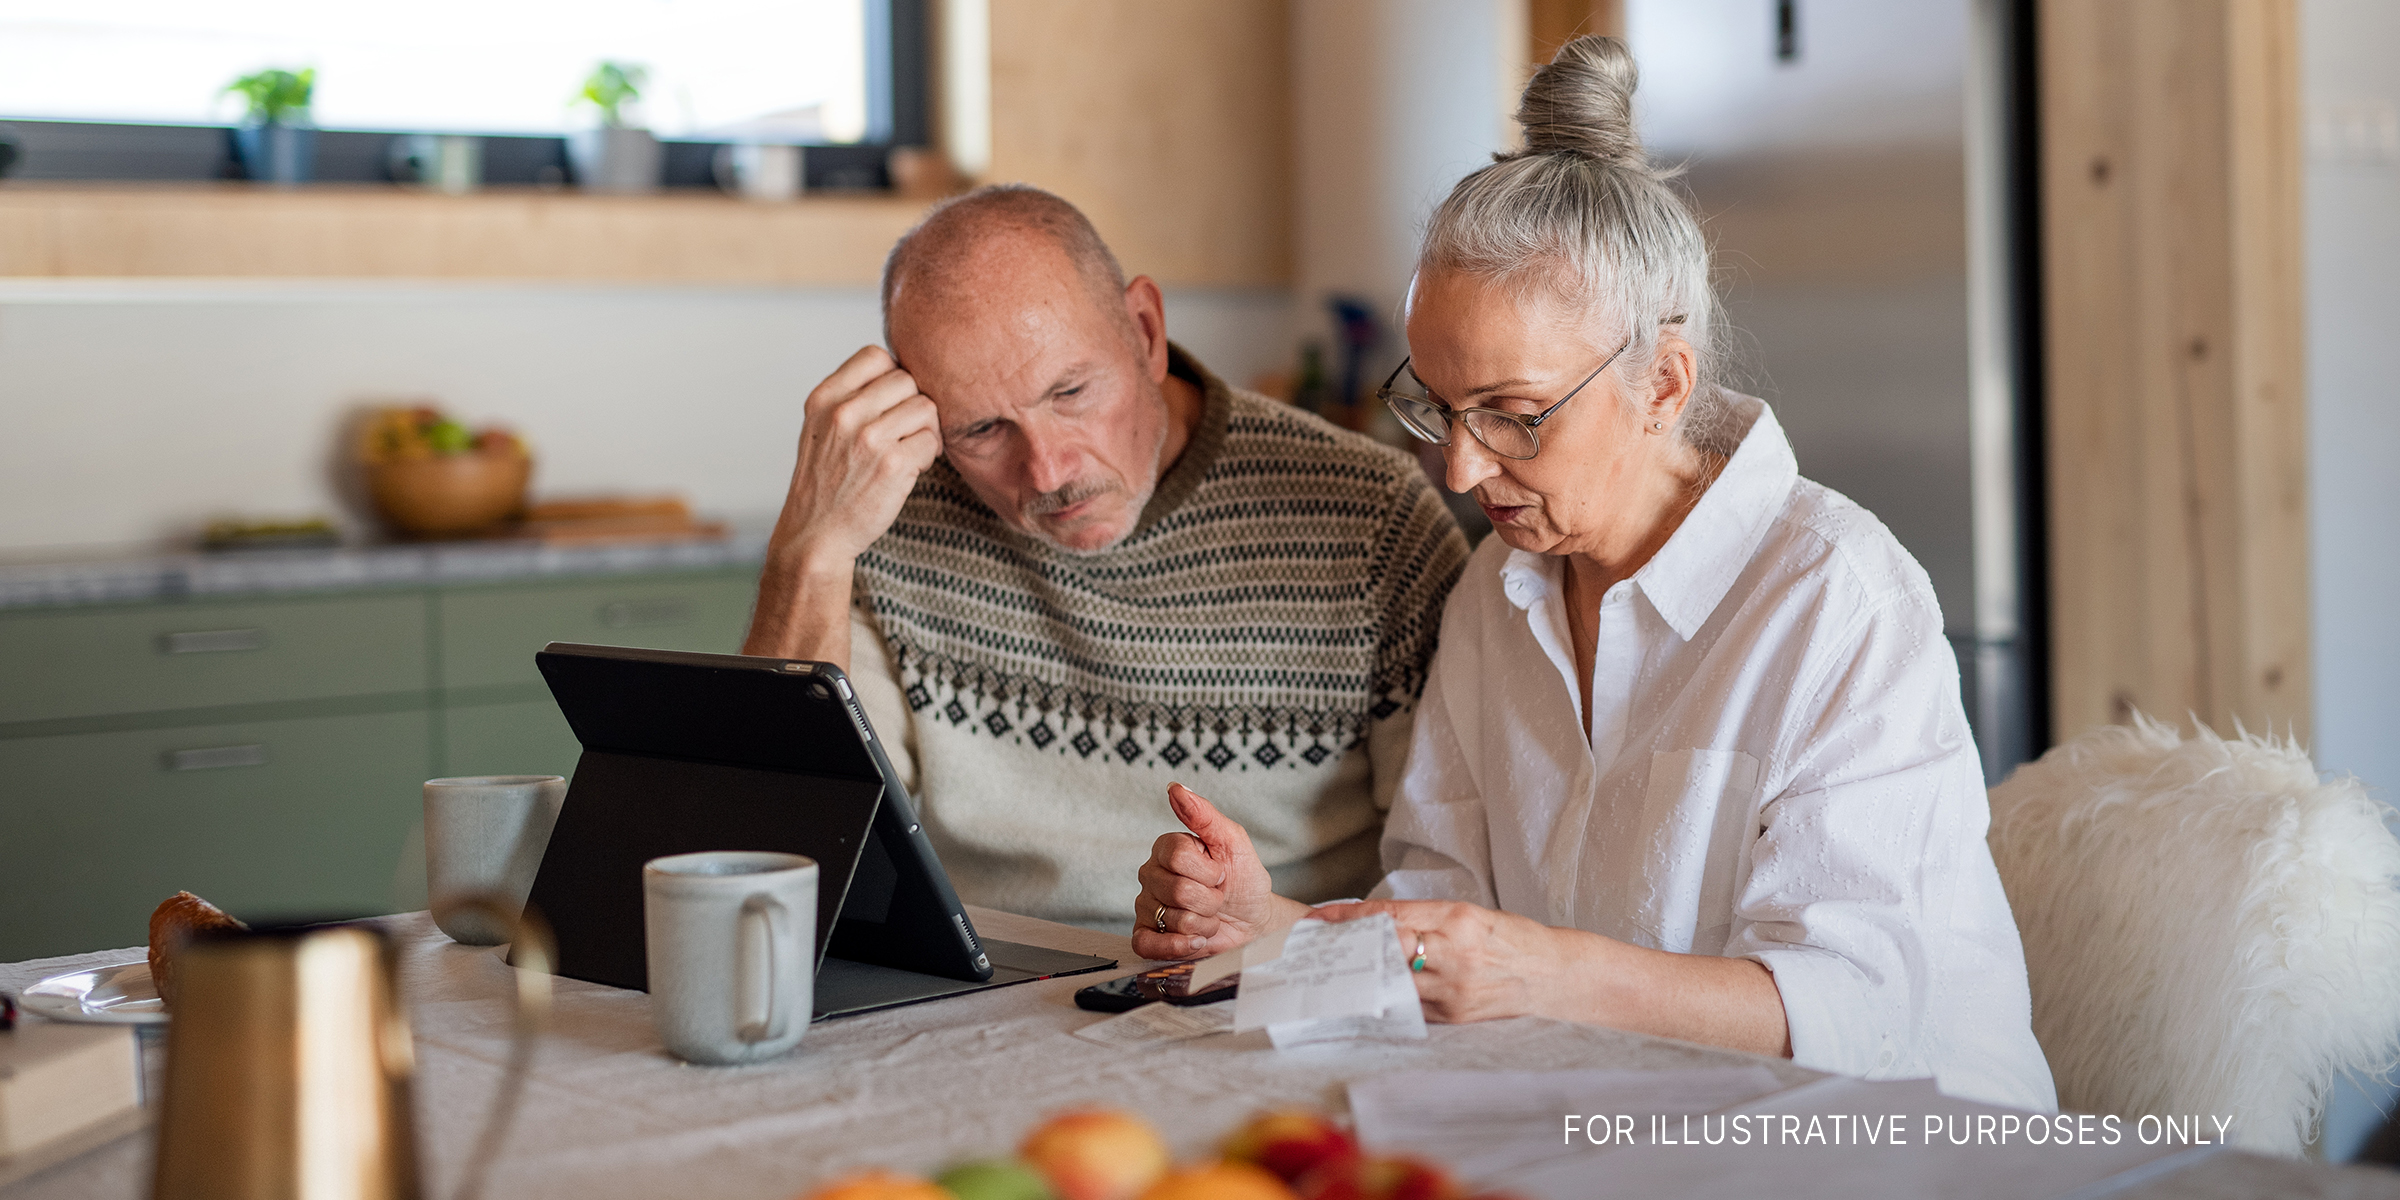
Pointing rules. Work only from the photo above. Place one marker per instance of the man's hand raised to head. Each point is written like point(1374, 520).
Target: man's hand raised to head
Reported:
point(866, 434)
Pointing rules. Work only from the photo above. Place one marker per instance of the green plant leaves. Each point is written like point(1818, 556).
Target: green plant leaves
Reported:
point(276, 95)
point(611, 86)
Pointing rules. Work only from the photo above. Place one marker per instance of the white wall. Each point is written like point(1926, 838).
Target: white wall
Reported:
point(130, 412)
point(2353, 93)
point(1394, 101)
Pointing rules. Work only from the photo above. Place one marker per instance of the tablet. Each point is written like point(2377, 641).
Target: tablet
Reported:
point(685, 752)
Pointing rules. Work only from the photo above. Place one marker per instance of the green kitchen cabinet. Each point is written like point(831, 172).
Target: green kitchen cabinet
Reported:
point(299, 817)
point(527, 737)
point(266, 753)
point(490, 635)
point(82, 662)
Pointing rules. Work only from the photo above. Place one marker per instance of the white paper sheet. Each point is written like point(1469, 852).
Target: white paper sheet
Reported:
point(1484, 1123)
point(1157, 1022)
point(1832, 1158)
point(1400, 1021)
point(1216, 967)
point(1350, 974)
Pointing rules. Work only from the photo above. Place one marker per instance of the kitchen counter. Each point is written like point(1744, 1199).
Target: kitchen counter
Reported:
point(140, 578)
point(255, 725)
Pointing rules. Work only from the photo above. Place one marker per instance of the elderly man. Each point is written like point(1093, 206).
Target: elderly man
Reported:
point(1065, 565)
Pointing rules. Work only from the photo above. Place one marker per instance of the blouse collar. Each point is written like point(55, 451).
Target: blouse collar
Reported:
point(1689, 576)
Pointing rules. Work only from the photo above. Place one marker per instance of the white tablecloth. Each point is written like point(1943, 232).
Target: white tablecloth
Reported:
point(609, 1115)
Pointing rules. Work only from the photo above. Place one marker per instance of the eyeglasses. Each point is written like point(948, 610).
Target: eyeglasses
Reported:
point(1503, 433)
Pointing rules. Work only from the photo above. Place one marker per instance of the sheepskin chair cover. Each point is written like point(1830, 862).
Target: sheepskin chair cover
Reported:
point(2209, 927)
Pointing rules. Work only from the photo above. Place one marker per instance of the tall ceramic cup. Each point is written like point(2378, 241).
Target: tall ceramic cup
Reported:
point(732, 938)
point(484, 835)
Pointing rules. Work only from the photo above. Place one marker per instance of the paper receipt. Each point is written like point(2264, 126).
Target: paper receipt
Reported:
point(1332, 981)
point(1153, 1023)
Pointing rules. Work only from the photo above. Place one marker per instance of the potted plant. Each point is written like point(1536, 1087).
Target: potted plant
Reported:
point(615, 157)
point(275, 141)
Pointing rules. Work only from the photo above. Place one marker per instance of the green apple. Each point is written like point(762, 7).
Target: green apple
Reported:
point(995, 1179)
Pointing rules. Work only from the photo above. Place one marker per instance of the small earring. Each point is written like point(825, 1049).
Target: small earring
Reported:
point(1658, 426)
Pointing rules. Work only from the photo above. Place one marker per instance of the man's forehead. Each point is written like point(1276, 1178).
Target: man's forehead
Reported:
point(1000, 352)
point(1016, 375)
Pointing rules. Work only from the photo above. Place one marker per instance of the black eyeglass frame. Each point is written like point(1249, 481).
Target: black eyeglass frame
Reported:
point(1458, 416)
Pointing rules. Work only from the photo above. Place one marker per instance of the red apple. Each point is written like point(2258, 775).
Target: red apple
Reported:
point(1380, 1179)
point(1291, 1142)
point(1096, 1154)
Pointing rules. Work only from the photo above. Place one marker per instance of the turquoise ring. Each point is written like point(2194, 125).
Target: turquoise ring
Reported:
point(1418, 963)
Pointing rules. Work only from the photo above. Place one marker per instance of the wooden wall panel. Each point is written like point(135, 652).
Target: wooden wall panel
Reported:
point(1167, 121)
point(2176, 407)
point(1550, 24)
point(235, 230)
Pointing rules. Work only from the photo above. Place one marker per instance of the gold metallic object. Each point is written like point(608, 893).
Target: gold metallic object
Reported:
point(288, 1066)
point(289, 1061)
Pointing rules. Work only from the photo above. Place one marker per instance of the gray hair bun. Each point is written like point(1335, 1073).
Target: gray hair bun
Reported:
point(1581, 103)
point(1581, 214)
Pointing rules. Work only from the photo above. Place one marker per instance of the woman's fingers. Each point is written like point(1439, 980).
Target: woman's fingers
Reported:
point(1224, 839)
point(1184, 855)
point(1187, 935)
point(1177, 890)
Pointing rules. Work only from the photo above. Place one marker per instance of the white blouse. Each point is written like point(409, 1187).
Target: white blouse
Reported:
point(1777, 767)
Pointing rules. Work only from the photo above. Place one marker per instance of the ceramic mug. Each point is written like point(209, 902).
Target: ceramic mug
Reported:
point(443, 163)
point(732, 939)
point(755, 171)
point(484, 835)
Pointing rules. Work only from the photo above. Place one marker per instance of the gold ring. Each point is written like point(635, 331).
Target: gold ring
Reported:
point(1159, 920)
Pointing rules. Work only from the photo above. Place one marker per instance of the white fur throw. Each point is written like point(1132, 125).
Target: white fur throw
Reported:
point(2209, 927)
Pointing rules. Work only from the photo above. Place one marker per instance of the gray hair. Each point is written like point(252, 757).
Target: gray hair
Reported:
point(1582, 213)
point(951, 228)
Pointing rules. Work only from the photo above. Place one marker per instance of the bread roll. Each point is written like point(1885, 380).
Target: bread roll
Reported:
point(171, 925)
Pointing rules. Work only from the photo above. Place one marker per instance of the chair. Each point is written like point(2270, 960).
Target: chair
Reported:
point(2209, 927)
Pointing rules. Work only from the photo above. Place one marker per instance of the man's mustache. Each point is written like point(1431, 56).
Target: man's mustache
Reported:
point(1066, 497)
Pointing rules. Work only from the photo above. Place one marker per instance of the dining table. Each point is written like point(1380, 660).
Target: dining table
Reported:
point(607, 1114)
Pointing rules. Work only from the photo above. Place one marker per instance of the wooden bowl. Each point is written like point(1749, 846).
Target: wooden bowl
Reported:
point(449, 495)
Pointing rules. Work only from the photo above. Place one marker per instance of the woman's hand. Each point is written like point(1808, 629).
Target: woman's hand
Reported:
point(1480, 963)
point(1207, 887)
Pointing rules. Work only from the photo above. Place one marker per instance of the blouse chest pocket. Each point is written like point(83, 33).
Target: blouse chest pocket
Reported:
point(1700, 810)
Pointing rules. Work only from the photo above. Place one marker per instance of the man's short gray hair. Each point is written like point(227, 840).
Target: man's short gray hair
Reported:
point(1583, 213)
point(953, 227)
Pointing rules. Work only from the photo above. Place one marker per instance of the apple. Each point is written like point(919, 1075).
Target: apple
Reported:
point(1290, 1142)
point(1380, 1179)
point(995, 1179)
point(1220, 1181)
point(879, 1185)
point(1096, 1154)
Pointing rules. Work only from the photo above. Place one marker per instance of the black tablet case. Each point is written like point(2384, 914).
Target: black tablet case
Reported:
point(691, 752)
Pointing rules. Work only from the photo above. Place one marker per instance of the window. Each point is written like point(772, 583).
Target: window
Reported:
point(135, 88)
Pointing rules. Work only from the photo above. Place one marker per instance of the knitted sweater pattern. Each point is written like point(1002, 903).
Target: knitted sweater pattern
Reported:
point(1280, 593)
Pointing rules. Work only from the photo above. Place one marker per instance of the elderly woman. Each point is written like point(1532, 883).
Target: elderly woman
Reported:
point(1691, 759)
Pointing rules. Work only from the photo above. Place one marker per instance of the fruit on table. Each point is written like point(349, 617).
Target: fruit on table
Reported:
point(879, 1185)
point(1220, 1181)
point(400, 434)
point(1290, 1142)
point(1096, 1154)
point(1380, 1179)
point(995, 1179)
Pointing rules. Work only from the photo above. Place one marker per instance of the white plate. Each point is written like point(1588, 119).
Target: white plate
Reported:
point(105, 996)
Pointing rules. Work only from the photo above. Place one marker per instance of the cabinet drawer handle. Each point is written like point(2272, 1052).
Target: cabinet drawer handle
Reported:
point(213, 757)
point(212, 641)
point(629, 614)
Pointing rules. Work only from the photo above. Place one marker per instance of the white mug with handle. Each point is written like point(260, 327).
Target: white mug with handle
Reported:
point(731, 936)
